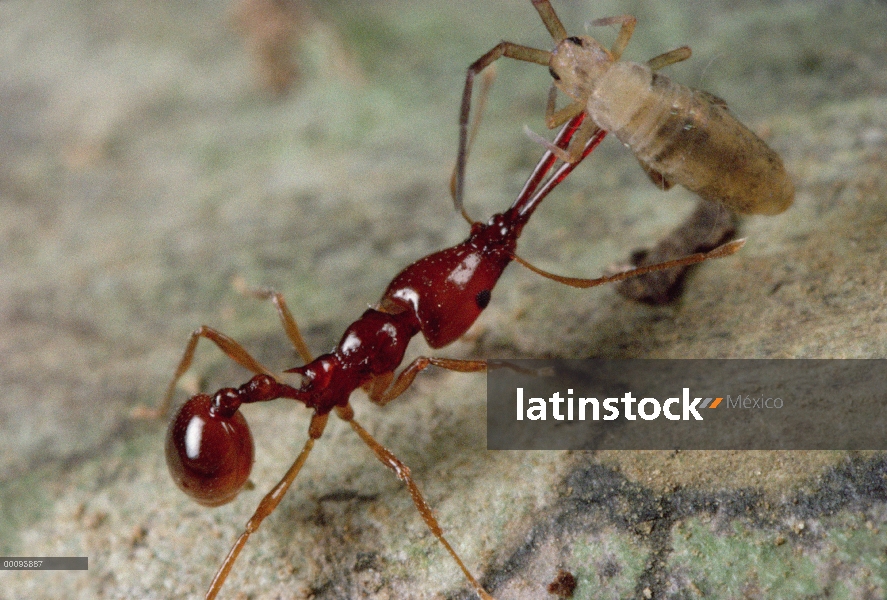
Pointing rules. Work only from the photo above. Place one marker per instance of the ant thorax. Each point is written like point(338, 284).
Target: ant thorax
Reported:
point(577, 64)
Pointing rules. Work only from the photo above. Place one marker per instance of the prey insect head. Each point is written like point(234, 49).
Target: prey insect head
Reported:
point(576, 64)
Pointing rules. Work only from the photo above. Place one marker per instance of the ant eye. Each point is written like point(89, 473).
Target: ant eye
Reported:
point(575, 40)
point(554, 75)
point(482, 299)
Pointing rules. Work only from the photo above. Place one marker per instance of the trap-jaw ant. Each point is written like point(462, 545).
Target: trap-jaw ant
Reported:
point(678, 134)
point(209, 448)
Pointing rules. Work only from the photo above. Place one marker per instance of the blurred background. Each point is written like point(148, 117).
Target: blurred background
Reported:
point(156, 153)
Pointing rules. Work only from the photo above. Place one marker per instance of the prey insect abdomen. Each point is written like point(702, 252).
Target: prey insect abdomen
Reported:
point(690, 138)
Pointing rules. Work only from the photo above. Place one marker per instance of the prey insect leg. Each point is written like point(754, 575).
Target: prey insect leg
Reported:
point(626, 29)
point(555, 116)
point(507, 49)
point(550, 19)
point(671, 57)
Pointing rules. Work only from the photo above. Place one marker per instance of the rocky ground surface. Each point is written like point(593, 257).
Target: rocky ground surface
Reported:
point(150, 162)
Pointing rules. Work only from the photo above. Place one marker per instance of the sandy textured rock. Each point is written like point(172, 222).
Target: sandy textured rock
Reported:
point(144, 170)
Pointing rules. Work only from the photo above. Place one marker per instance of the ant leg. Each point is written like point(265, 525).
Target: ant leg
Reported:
point(507, 49)
point(626, 29)
point(669, 58)
point(387, 458)
point(578, 282)
point(709, 225)
point(232, 350)
point(283, 311)
point(381, 393)
point(267, 505)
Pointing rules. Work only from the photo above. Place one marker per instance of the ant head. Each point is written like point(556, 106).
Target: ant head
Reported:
point(576, 64)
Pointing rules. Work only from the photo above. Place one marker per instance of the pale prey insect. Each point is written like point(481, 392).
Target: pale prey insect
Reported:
point(678, 134)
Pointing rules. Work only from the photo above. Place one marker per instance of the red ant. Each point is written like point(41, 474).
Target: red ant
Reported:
point(209, 448)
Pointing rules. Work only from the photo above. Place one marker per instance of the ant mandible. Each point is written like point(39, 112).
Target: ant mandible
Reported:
point(209, 447)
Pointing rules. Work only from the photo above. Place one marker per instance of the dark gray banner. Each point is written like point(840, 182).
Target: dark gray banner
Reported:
point(687, 404)
point(44, 563)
